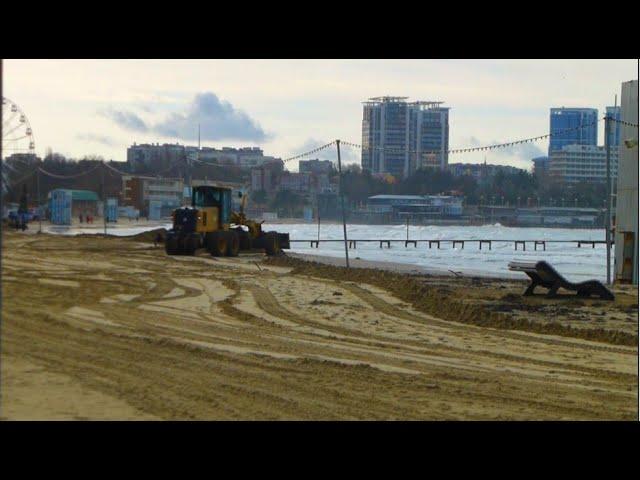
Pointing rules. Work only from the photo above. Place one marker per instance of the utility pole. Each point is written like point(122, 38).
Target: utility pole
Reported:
point(104, 200)
point(344, 218)
point(38, 200)
point(191, 166)
point(607, 223)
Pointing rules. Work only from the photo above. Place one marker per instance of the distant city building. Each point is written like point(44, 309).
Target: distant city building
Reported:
point(543, 216)
point(540, 166)
point(140, 191)
point(146, 158)
point(321, 183)
point(480, 171)
point(614, 132)
point(582, 163)
point(295, 182)
point(244, 157)
point(626, 225)
point(315, 166)
point(154, 158)
point(399, 136)
point(561, 119)
point(414, 206)
point(265, 177)
point(261, 180)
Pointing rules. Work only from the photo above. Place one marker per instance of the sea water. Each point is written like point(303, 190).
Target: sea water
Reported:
point(575, 263)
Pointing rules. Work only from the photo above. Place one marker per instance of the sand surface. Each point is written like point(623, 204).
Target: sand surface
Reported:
point(109, 328)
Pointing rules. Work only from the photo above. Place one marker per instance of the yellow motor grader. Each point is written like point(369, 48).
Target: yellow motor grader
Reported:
point(210, 223)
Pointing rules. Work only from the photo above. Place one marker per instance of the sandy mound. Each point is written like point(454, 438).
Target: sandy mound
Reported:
point(148, 236)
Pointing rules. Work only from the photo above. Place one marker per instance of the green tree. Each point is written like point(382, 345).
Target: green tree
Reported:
point(287, 203)
point(23, 207)
point(259, 197)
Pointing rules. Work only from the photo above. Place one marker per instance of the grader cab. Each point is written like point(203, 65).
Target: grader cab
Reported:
point(210, 223)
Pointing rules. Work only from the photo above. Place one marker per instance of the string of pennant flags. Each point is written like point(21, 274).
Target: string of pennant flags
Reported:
point(622, 122)
point(451, 151)
point(461, 150)
point(310, 152)
point(359, 146)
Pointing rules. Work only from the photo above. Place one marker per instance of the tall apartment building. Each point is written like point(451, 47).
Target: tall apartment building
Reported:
point(561, 119)
point(540, 166)
point(626, 228)
point(582, 163)
point(615, 128)
point(399, 136)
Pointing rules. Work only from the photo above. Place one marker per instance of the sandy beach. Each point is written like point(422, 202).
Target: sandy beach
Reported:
point(112, 328)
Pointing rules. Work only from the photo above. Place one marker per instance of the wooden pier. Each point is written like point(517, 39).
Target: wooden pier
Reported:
point(353, 243)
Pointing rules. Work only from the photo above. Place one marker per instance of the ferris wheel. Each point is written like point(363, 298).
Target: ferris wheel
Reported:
point(17, 135)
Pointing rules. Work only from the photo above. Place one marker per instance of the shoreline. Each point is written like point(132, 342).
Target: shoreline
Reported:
point(301, 221)
point(403, 268)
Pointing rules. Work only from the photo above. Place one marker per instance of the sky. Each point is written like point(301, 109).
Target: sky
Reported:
point(100, 107)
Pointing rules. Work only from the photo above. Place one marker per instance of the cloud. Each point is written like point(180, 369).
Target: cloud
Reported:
point(523, 151)
point(348, 155)
point(126, 120)
point(218, 120)
point(102, 139)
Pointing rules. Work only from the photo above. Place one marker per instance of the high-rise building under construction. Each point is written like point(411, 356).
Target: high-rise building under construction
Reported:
point(572, 126)
point(399, 137)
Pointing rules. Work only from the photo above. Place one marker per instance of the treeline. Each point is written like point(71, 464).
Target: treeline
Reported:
point(19, 174)
point(521, 188)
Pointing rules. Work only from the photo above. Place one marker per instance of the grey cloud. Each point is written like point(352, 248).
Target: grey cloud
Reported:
point(92, 137)
point(126, 120)
point(218, 120)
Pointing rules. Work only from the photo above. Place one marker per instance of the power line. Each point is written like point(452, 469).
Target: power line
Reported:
point(63, 177)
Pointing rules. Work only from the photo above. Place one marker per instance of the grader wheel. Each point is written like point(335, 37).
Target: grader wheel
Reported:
point(171, 245)
point(233, 246)
point(271, 244)
point(185, 245)
point(217, 244)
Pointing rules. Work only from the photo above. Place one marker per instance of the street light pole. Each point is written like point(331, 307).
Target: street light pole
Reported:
point(344, 218)
point(38, 200)
point(607, 127)
point(104, 200)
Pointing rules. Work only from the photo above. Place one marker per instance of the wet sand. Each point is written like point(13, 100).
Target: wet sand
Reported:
point(113, 328)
